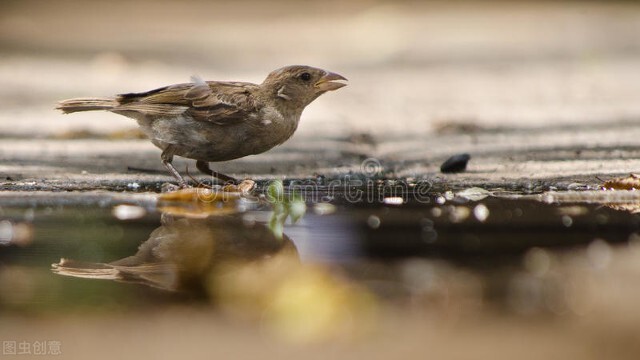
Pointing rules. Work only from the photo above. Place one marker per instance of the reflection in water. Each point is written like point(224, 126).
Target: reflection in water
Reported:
point(180, 254)
point(201, 229)
point(248, 270)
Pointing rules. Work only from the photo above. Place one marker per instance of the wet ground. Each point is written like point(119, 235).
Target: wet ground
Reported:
point(559, 264)
point(365, 249)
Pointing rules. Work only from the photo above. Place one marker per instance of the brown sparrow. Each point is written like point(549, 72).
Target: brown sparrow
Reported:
point(218, 120)
point(182, 253)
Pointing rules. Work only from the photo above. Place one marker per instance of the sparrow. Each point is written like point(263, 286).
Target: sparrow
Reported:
point(182, 253)
point(211, 121)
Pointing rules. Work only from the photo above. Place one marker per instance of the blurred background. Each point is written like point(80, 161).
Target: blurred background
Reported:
point(412, 65)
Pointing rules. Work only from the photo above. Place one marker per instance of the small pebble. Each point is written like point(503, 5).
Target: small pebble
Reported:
point(456, 163)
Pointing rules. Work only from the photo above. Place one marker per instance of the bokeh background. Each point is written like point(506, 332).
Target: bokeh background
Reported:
point(412, 65)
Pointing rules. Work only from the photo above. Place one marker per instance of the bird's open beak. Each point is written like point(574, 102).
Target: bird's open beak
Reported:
point(326, 82)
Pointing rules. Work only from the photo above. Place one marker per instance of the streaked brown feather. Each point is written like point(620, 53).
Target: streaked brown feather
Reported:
point(198, 91)
point(153, 109)
point(221, 103)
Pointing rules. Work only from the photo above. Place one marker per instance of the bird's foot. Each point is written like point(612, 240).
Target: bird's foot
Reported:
point(244, 187)
point(169, 187)
point(203, 166)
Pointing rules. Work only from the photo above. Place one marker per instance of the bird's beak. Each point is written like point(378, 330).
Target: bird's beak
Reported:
point(326, 82)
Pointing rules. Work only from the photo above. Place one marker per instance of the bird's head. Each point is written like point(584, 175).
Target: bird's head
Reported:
point(299, 85)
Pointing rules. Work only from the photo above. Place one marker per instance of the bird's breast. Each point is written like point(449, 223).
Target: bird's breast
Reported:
point(213, 142)
point(270, 129)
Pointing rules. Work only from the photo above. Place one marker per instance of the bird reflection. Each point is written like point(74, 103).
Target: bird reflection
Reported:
point(182, 253)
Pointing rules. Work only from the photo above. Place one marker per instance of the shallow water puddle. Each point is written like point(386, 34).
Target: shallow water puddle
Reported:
point(520, 254)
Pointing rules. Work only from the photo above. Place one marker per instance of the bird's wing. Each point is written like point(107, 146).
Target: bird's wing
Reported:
point(222, 103)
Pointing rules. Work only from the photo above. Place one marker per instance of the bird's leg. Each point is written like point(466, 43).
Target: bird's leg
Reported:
point(203, 166)
point(174, 172)
point(167, 158)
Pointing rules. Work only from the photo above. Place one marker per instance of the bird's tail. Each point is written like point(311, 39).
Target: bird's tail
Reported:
point(159, 275)
point(75, 105)
point(74, 268)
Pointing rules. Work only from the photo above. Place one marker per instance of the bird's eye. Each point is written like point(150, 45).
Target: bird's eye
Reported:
point(305, 76)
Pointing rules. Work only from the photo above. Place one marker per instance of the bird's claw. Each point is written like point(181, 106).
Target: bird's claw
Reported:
point(244, 187)
point(169, 187)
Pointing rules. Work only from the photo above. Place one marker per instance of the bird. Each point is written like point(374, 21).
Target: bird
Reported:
point(183, 253)
point(212, 121)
